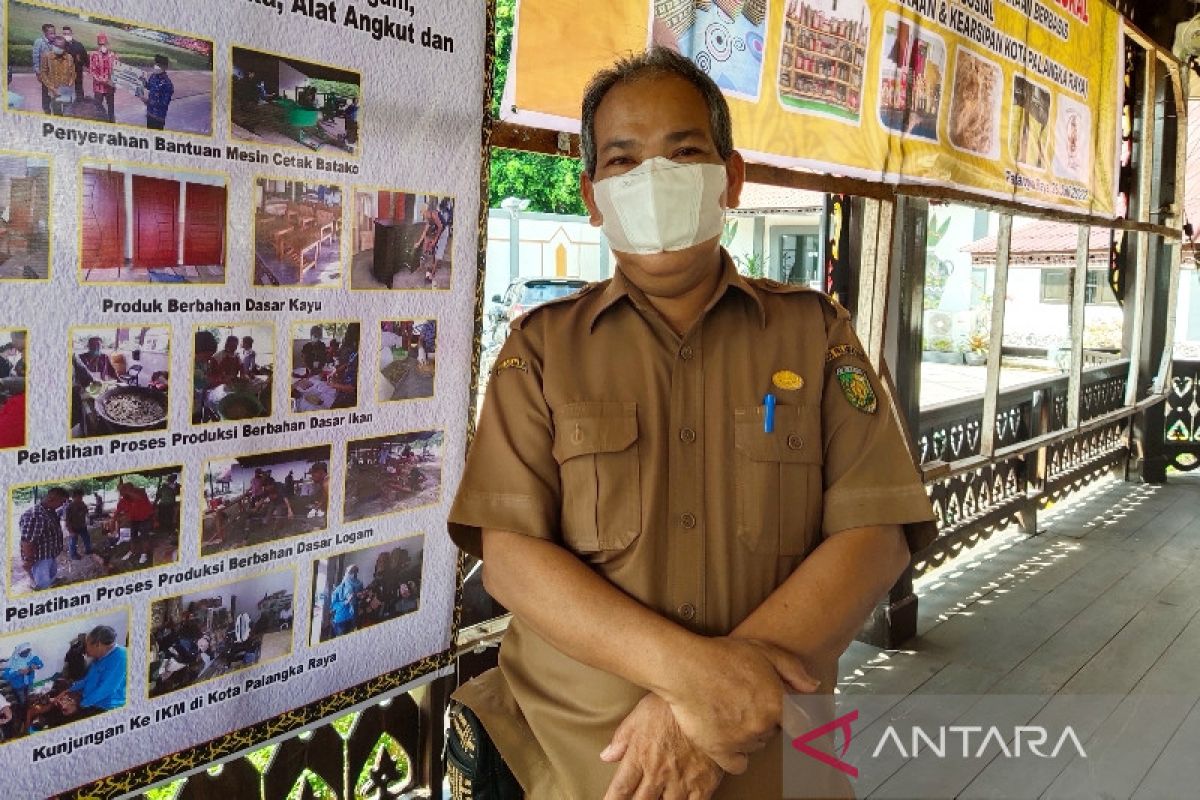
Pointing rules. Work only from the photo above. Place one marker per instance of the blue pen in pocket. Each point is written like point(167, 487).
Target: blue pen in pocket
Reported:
point(769, 414)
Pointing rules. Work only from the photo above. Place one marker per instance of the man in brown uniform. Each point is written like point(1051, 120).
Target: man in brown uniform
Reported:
point(686, 485)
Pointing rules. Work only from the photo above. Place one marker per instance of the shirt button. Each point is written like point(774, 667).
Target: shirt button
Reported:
point(687, 435)
point(685, 352)
point(794, 441)
point(688, 520)
point(687, 611)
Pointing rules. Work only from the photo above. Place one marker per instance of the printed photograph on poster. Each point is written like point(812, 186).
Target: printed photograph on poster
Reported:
point(975, 104)
point(390, 474)
point(297, 233)
point(119, 379)
point(407, 359)
point(24, 217)
point(1072, 140)
point(822, 58)
point(233, 372)
point(911, 70)
point(141, 224)
point(212, 632)
point(12, 387)
point(82, 529)
point(284, 101)
point(64, 63)
point(724, 38)
point(401, 240)
point(58, 674)
point(324, 366)
point(264, 497)
point(1029, 123)
point(357, 590)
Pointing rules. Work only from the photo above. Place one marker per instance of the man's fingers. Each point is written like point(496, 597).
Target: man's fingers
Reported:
point(792, 671)
point(733, 763)
point(648, 790)
point(625, 782)
point(616, 748)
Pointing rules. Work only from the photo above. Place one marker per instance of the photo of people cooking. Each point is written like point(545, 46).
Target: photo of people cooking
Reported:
point(388, 474)
point(211, 632)
point(407, 359)
point(79, 530)
point(264, 497)
point(233, 368)
point(356, 590)
point(324, 366)
point(119, 380)
point(12, 388)
point(53, 676)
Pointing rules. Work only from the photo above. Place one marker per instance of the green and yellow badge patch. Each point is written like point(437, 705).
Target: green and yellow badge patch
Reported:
point(856, 386)
point(510, 363)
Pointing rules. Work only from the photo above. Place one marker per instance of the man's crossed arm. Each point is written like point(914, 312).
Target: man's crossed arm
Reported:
point(711, 700)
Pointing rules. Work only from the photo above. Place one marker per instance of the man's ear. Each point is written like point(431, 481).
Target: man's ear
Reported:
point(735, 175)
point(587, 190)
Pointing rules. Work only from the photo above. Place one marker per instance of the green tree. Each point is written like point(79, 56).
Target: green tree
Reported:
point(549, 183)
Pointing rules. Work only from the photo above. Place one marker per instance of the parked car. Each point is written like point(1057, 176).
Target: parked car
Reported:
point(522, 295)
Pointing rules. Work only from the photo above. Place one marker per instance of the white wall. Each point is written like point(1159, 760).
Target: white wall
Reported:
point(290, 79)
point(587, 257)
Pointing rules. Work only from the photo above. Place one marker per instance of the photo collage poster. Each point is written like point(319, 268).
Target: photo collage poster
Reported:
point(238, 263)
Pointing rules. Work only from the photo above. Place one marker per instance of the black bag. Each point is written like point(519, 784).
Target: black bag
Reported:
point(473, 764)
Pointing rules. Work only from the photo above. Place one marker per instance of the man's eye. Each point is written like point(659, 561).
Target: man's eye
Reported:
point(619, 161)
point(684, 152)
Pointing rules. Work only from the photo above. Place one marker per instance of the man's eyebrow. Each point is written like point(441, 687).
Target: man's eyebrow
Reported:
point(618, 144)
point(682, 136)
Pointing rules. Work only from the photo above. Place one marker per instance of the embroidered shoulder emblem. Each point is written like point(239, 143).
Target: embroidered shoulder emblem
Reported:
point(839, 350)
point(511, 363)
point(856, 386)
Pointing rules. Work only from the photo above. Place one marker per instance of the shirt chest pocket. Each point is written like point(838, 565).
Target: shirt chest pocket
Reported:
point(778, 479)
point(596, 447)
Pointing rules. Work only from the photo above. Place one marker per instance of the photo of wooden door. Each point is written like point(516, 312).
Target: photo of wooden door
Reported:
point(156, 222)
point(204, 225)
point(103, 219)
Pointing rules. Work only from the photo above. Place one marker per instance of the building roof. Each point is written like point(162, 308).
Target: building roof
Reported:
point(761, 198)
point(1041, 236)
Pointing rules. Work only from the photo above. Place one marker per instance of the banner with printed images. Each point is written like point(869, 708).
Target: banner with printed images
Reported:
point(1011, 99)
point(238, 268)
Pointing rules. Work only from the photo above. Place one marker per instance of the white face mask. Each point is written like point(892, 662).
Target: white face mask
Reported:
point(662, 206)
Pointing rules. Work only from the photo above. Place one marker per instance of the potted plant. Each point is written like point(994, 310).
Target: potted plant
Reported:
point(941, 350)
point(976, 350)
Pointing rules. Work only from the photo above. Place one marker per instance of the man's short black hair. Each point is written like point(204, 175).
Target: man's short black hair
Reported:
point(655, 61)
point(57, 491)
point(102, 634)
point(206, 342)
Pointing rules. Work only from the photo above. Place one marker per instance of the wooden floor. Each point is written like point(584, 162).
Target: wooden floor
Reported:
point(1105, 601)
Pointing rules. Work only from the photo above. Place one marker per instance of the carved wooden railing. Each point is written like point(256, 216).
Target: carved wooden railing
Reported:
point(1181, 431)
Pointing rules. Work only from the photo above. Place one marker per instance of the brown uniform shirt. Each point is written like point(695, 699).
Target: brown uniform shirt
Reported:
point(644, 453)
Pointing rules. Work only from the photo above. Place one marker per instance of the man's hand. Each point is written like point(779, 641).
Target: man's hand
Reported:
point(731, 702)
point(657, 760)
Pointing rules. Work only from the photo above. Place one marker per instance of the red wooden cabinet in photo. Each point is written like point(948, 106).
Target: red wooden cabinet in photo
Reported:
point(156, 222)
point(103, 219)
point(204, 225)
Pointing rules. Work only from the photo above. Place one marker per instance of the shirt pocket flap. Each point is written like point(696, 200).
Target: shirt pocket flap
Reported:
point(796, 437)
point(586, 428)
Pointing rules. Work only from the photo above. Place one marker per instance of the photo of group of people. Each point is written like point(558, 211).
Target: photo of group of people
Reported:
point(356, 590)
point(324, 371)
point(24, 217)
point(59, 674)
point(211, 632)
point(285, 101)
point(401, 240)
point(83, 66)
point(297, 233)
point(119, 380)
point(388, 474)
point(407, 359)
point(234, 367)
point(69, 531)
point(12, 388)
point(141, 224)
point(264, 497)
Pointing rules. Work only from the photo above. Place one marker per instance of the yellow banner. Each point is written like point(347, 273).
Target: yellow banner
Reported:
point(1013, 99)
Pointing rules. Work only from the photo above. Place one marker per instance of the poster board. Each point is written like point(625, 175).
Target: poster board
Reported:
point(1010, 99)
point(237, 305)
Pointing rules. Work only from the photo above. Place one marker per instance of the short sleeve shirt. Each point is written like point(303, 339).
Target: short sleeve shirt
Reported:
point(647, 455)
